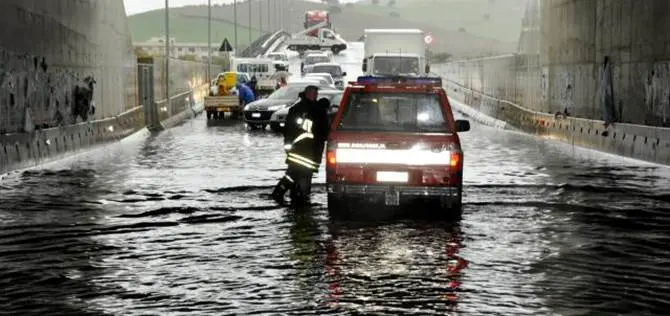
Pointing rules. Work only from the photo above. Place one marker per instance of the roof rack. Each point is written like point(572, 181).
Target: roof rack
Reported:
point(405, 80)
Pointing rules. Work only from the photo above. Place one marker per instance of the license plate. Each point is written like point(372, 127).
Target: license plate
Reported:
point(392, 198)
point(255, 115)
point(222, 109)
point(391, 176)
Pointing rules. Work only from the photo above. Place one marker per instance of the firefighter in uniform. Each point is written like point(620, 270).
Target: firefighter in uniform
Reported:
point(305, 133)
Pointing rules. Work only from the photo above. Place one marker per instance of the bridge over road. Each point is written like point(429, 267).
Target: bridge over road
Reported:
point(180, 221)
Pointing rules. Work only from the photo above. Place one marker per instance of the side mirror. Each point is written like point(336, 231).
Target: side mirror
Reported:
point(427, 69)
point(344, 74)
point(462, 125)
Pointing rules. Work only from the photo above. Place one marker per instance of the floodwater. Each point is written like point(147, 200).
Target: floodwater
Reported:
point(180, 223)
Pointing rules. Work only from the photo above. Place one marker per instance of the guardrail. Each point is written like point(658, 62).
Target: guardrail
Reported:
point(643, 142)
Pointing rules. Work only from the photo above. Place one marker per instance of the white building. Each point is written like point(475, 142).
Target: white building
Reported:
point(156, 47)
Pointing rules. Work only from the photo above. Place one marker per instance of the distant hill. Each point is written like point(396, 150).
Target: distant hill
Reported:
point(459, 27)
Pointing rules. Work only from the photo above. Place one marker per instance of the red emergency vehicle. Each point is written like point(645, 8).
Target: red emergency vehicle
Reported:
point(315, 17)
point(393, 141)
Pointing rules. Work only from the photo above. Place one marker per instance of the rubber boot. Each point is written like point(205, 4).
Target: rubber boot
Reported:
point(284, 184)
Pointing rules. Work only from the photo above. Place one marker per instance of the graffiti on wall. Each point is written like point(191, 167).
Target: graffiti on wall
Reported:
point(34, 95)
point(657, 95)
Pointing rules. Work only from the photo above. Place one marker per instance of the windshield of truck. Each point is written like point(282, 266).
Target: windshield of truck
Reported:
point(243, 78)
point(253, 68)
point(278, 57)
point(395, 65)
point(333, 70)
point(394, 112)
point(316, 59)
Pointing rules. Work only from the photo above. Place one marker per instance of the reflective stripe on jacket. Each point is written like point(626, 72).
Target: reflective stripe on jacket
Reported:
point(301, 151)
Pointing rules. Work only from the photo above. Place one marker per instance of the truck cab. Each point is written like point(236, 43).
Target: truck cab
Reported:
point(394, 141)
point(395, 51)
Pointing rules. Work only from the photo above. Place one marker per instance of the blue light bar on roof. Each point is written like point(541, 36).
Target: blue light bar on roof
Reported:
point(437, 81)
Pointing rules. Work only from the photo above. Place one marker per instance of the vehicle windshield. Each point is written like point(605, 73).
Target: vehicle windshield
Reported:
point(316, 59)
point(253, 68)
point(288, 92)
point(333, 70)
point(277, 57)
point(394, 112)
point(395, 65)
point(242, 78)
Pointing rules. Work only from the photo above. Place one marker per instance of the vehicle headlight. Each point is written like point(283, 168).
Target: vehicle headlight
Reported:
point(246, 108)
point(276, 107)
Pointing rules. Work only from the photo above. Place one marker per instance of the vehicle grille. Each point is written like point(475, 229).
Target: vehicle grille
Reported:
point(264, 116)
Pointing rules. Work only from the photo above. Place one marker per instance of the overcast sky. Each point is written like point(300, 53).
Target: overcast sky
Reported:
point(138, 6)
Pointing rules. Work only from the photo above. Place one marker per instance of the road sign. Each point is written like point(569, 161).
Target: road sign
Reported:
point(428, 39)
point(225, 46)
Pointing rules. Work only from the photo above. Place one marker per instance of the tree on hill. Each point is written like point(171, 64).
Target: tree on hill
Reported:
point(375, 2)
point(391, 3)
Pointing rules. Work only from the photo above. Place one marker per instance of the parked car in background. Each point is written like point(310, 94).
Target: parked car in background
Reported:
point(323, 75)
point(257, 114)
point(334, 69)
point(280, 60)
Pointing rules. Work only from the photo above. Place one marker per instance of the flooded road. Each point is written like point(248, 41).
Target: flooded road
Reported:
point(181, 223)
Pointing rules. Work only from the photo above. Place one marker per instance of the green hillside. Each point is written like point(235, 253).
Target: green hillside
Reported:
point(186, 28)
point(459, 27)
point(486, 18)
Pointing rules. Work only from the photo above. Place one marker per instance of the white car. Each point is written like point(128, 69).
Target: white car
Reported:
point(312, 59)
point(323, 75)
point(279, 59)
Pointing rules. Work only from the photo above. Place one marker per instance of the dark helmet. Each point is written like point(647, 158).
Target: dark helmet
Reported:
point(324, 102)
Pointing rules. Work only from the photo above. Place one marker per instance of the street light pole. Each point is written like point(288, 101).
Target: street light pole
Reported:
point(235, 21)
point(260, 15)
point(249, 24)
point(209, 40)
point(167, 56)
point(269, 21)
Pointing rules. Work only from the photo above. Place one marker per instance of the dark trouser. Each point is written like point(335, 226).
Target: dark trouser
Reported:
point(299, 181)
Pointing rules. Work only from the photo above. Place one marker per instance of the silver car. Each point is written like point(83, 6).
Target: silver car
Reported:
point(278, 118)
point(334, 69)
point(323, 75)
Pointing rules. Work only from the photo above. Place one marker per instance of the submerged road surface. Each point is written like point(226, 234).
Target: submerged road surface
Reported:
point(181, 224)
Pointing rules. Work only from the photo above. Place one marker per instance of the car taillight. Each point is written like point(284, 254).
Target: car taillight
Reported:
point(455, 160)
point(331, 160)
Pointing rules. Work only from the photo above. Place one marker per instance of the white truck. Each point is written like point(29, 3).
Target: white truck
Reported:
point(261, 68)
point(326, 39)
point(395, 52)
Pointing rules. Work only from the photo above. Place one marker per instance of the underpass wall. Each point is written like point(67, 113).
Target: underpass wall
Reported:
point(47, 49)
point(569, 74)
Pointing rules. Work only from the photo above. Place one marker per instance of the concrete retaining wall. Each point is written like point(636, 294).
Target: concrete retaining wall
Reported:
point(630, 140)
point(47, 49)
point(561, 67)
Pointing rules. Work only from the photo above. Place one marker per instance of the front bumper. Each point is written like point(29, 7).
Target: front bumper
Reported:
point(404, 192)
point(278, 119)
point(257, 117)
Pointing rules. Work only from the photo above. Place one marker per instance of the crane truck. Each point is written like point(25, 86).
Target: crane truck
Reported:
point(326, 39)
point(395, 51)
point(315, 17)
